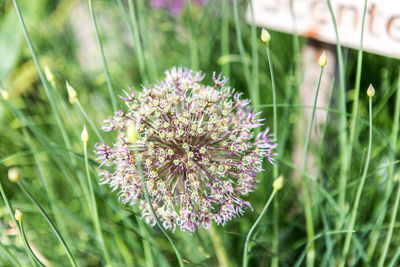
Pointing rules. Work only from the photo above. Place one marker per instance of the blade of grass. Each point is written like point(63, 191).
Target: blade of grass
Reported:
point(194, 54)
point(360, 188)
point(132, 25)
point(95, 214)
point(246, 68)
point(342, 129)
point(103, 58)
point(307, 200)
point(255, 88)
point(49, 221)
point(225, 36)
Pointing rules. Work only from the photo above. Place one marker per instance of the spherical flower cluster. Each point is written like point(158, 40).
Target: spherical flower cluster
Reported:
point(196, 146)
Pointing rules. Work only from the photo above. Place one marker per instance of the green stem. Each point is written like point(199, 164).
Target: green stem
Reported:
point(103, 58)
point(307, 200)
point(225, 36)
point(85, 115)
point(194, 55)
point(43, 78)
point(222, 257)
point(248, 237)
point(342, 123)
point(255, 90)
point(158, 222)
point(11, 211)
point(95, 214)
point(239, 40)
point(275, 241)
point(132, 25)
point(31, 253)
point(137, 40)
point(49, 221)
point(347, 243)
point(394, 138)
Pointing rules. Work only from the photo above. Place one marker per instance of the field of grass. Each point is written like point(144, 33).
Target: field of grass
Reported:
point(338, 207)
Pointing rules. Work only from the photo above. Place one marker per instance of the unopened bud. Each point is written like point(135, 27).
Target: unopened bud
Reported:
point(278, 183)
point(132, 134)
point(72, 95)
point(4, 94)
point(265, 36)
point(14, 174)
point(84, 135)
point(18, 214)
point(370, 91)
point(49, 75)
point(322, 60)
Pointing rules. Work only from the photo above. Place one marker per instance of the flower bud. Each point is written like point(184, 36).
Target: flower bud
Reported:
point(72, 95)
point(49, 75)
point(84, 135)
point(322, 60)
point(265, 36)
point(132, 134)
point(4, 94)
point(18, 214)
point(278, 183)
point(14, 174)
point(370, 91)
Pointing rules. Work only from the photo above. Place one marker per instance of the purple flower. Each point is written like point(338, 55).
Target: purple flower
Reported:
point(174, 7)
point(196, 146)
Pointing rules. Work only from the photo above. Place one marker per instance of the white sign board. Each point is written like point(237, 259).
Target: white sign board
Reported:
point(313, 20)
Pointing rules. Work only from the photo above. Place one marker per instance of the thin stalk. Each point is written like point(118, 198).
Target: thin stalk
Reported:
point(394, 138)
point(31, 253)
point(275, 240)
point(222, 257)
point(146, 245)
point(342, 122)
point(149, 58)
point(103, 58)
point(95, 214)
point(11, 213)
point(194, 54)
point(135, 35)
point(359, 191)
point(85, 115)
point(225, 36)
point(13, 259)
point(43, 78)
point(255, 90)
point(356, 92)
point(246, 244)
point(159, 224)
point(389, 235)
point(137, 39)
point(307, 200)
point(239, 40)
point(49, 221)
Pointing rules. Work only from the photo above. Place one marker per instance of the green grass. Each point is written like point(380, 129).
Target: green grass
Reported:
point(345, 214)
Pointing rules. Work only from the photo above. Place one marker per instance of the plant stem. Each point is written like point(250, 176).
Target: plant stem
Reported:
point(103, 58)
point(275, 241)
point(95, 214)
point(85, 115)
point(307, 200)
point(243, 58)
point(225, 36)
point(359, 191)
point(158, 222)
point(194, 55)
point(255, 90)
point(223, 260)
point(31, 253)
point(49, 221)
point(342, 123)
point(246, 244)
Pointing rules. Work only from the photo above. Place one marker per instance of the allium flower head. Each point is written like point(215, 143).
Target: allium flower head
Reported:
point(196, 146)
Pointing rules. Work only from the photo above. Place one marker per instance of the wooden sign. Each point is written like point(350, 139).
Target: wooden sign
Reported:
point(313, 20)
